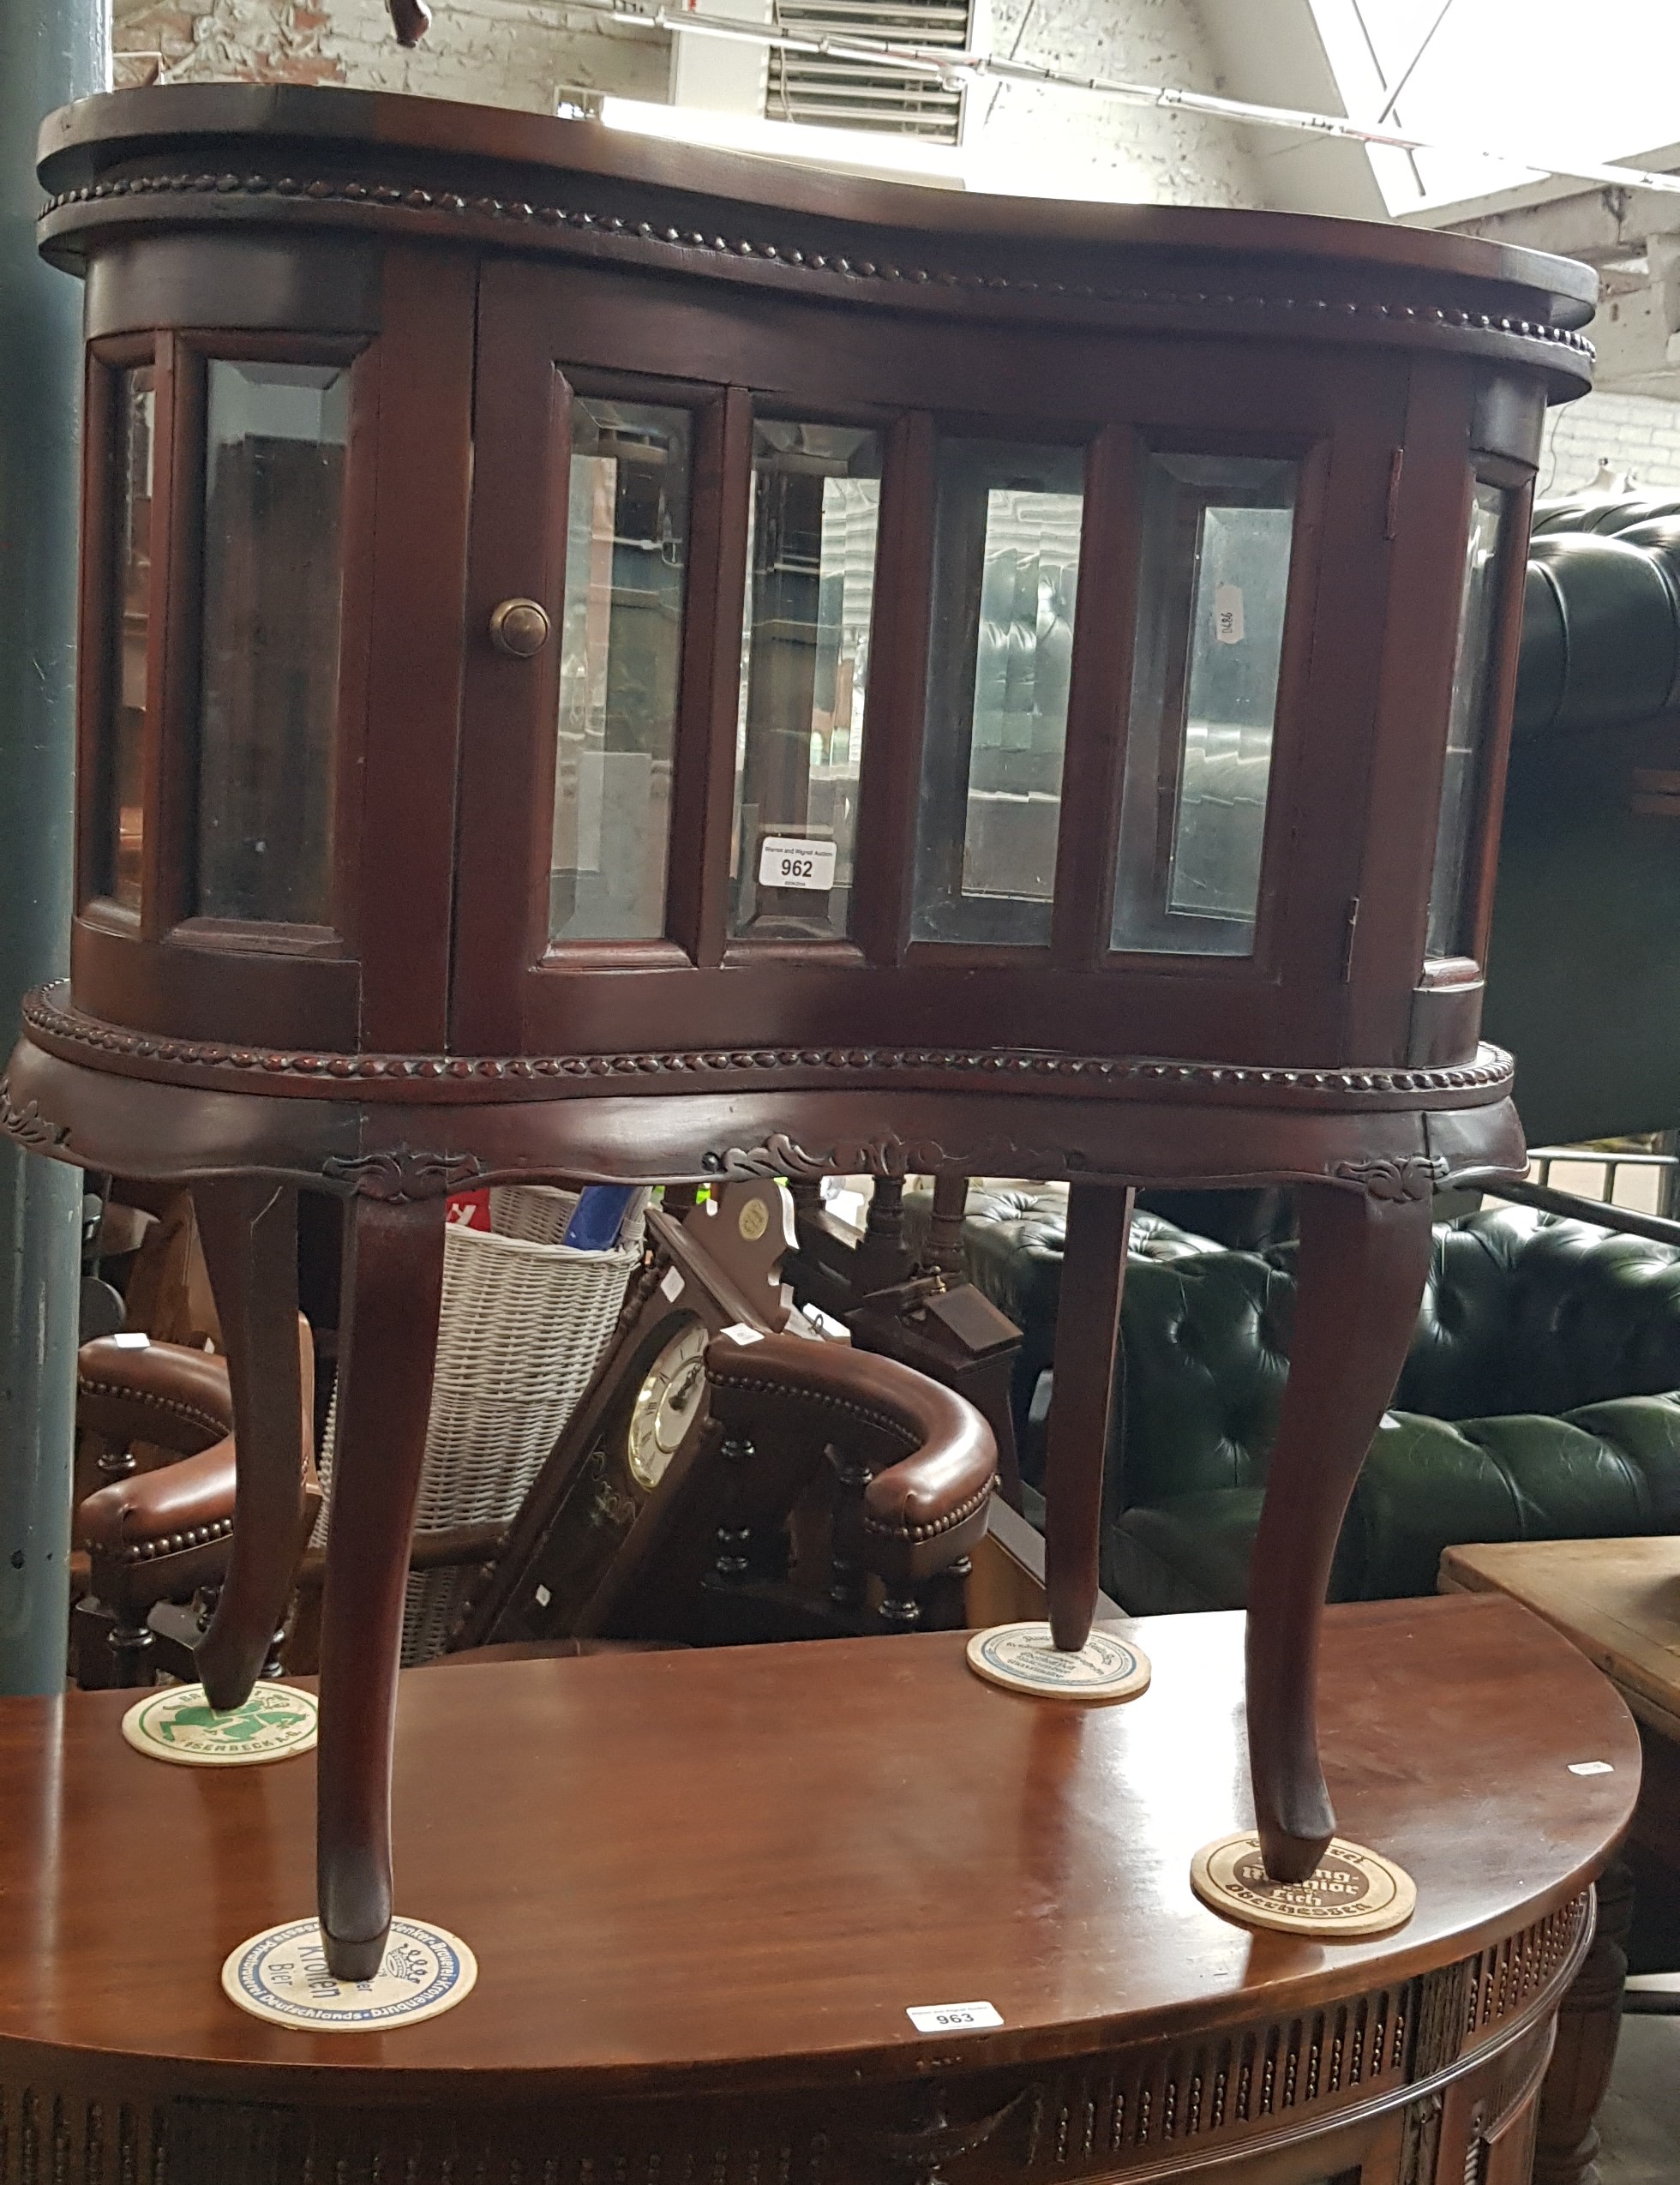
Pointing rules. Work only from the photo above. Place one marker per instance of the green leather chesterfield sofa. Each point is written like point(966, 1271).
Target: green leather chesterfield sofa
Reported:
point(1540, 1398)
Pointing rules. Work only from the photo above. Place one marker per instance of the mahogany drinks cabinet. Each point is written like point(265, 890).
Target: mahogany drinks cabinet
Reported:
point(607, 660)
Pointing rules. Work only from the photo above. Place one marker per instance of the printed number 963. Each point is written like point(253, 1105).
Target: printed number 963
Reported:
point(952, 2017)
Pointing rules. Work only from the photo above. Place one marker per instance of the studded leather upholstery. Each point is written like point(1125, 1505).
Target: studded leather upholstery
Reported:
point(1540, 1400)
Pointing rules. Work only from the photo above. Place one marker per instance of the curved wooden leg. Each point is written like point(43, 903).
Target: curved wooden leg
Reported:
point(1088, 1327)
point(248, 1226)
point(392, 1286)
point(1362, 1266)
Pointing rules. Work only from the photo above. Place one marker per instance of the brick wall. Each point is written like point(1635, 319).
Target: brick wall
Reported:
point(1063, 142)
point(523, 52)
point(492, 52)
point(1636, 432)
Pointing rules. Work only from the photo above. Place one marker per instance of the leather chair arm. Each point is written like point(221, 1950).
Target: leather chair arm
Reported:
point(161, 1393)
point(157, 1534)
point(131, 1517)
point(932, 1456)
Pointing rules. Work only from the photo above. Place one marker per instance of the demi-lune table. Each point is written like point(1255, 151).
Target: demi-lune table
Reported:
point(705, 1890)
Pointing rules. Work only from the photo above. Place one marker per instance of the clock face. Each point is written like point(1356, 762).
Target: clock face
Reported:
point(666, 1404)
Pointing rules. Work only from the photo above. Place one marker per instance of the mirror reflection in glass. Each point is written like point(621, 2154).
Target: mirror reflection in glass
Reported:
point(621, 654)
point(136, 427)
point(276, 437)
point(1214, 578)
point(805, 655)
point(1449, 907)
point(1006, 582)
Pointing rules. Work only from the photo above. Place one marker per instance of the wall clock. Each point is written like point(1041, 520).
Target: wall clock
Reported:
point(633, 1458)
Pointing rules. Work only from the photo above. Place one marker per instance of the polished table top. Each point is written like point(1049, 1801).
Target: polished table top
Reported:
point(752, 1862)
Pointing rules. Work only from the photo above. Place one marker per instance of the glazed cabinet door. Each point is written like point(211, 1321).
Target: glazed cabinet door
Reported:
point(269, 688)
point(799, 653)
point(602, 601)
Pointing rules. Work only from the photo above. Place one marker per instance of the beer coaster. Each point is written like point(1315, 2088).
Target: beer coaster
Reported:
point(281, 1975)
point(1350, 1891)
point(1024, 1658)
point(179, 1723)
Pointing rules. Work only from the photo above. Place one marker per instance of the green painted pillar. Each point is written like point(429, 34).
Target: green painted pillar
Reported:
point(51, 51)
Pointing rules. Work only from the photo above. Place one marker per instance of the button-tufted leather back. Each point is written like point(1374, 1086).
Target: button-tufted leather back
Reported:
point(1206, 1343)
point(1523, 1313)
point(1527, 1311)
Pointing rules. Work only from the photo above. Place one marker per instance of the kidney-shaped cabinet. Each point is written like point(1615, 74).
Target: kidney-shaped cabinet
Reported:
point(608, 659)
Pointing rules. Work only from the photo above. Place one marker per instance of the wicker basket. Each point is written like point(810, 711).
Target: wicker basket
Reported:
point(538, 1213)
point(522, 1324)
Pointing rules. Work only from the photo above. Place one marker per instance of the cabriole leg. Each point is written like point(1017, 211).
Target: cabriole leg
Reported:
point(1363, 1261)
point(1088, 1323)
point(392, 1286)
point(248, 1226)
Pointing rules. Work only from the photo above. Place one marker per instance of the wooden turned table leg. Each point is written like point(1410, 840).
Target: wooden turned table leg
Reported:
point(1567, 2147)
point(248, 1226)
point(1362, 1263)
point(1088, 1325)
point(392, 1286)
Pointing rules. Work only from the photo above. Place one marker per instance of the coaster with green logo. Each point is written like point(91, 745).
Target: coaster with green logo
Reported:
point(178, 1724)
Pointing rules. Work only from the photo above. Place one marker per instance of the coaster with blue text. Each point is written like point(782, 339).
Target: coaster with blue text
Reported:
point(1024, 1658)
point(281, 1975)
point(178, 1724)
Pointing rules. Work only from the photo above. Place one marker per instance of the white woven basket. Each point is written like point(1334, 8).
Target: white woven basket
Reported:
point(521, 1327)
point(537, 1212)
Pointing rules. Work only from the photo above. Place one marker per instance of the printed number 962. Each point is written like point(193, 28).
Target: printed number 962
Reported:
point(797, 861)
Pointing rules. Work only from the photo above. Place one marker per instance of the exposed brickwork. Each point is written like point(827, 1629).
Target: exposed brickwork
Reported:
point(259, 41)
point(491, 53)
point(1635, 432)
point(528, 52)
point(1076, 144)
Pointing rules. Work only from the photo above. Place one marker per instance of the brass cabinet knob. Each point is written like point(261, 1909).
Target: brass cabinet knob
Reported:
point(519, 627)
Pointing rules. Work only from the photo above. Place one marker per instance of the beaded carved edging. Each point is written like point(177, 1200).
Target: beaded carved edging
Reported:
point(914, 2152)
point(398, 1175)
point(1492, 1073)
point(520, 212)
point(890, 1156)
point(1097, 2117)
point(26, 1123)
point(1397, 1180)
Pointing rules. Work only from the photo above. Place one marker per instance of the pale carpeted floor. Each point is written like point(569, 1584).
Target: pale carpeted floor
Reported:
point(1640, 2119)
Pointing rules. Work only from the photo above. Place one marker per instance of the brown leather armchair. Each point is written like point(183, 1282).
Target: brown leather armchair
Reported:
point(156, 1535)
point(913, 1464)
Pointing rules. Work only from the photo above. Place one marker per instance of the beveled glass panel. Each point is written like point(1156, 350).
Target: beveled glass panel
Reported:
point(132, 461)
point(1212, 584)
point(805, 657)
point(275, 442)
point(1006, 579)
point(1449, 909)
point(621, 653)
